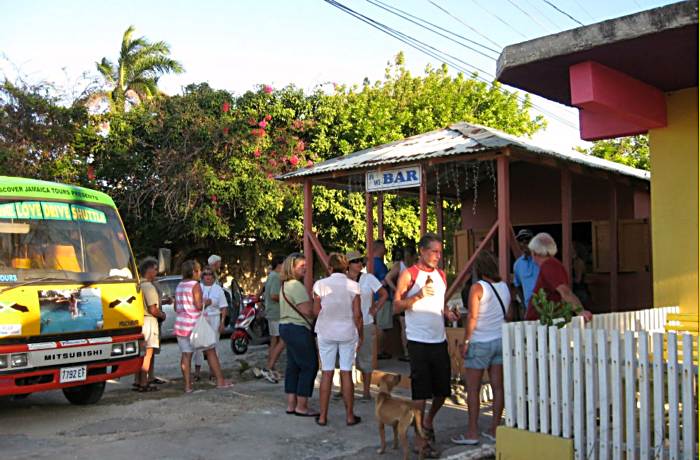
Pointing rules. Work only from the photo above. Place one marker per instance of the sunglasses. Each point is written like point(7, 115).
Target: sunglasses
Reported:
point(354, 261)
point(207, 274)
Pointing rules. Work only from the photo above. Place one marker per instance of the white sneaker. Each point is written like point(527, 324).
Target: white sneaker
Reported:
point(269, 375)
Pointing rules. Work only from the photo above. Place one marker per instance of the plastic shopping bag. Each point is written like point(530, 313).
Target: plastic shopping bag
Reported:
point(202, 336)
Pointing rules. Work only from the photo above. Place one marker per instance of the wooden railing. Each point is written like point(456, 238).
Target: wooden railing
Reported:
point(620, 386)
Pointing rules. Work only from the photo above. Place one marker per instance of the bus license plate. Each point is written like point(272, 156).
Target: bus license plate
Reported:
point(73, 374)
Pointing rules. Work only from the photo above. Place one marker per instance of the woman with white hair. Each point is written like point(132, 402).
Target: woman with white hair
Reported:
point(552, 278)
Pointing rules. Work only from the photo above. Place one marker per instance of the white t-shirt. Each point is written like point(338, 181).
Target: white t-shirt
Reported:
point(369, 284)
point(490, 319)
point(425, 320)
point(335, 321)
point(218, 299)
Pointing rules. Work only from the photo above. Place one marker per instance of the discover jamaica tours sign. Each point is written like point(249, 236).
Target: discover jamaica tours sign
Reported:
point(388, 179)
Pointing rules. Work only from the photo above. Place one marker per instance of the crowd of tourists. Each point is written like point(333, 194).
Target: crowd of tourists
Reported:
point(337, 323)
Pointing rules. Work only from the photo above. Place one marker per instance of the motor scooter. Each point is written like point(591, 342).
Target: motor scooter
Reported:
point(251, 325)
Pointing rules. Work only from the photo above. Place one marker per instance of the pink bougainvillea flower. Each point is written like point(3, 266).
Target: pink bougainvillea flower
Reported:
point(270, 176)
point(213, 198)
point(226, 131)
point(273, 162)
point(298, 124)
point(268, 89)
point(263, 124)
point(256, 154)
point(294, 160)
point(258, 132)
point(252, 122)
point(309, 164)
point(225, 108)
point(91, 173)
point(268, 117)
point(300, 146)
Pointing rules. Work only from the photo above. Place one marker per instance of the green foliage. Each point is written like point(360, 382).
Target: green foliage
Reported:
point(40, 138)
point(200, 166)
point(631, 151)
point(554, 313)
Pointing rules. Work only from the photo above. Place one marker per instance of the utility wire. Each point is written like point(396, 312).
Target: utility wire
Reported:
point(529, 15)
point(584, 10)
point(465, 24)
point(403, 15)
point(499, 19)
point(541, 13)
point(438, 55)
point(563, 12)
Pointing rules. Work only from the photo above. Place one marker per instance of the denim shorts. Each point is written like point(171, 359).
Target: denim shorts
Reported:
point(482, 355)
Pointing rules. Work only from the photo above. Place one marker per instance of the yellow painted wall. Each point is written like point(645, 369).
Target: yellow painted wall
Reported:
point(516, 444)
point(674, 204)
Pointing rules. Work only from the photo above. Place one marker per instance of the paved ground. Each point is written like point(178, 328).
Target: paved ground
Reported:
point(246, 422)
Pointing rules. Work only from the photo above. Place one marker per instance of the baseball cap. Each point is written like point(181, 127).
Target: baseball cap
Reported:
point(524, 234)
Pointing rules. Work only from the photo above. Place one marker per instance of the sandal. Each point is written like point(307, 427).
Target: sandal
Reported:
point(196, 378)
point(227, 384)
point(357, 419)
point(320, 423)
point(307, 414)
point(429, 452)
point(464, 441)
point(158, 381)
point(145, 389)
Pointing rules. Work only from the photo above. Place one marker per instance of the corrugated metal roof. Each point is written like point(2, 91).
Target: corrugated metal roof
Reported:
point(460, 138)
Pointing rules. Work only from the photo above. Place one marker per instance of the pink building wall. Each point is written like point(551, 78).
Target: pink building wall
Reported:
point(535, 199)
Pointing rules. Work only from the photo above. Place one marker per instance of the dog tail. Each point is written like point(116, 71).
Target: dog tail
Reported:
point(418, 420)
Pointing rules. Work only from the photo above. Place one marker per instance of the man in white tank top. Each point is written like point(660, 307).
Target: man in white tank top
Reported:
point(420, 293)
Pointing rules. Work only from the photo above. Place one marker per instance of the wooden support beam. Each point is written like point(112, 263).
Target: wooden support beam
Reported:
point(466, 270)
point(380, 215)
point(308, 228)
point(423, 200)
point(613, 246)
point(318, 248)
point(566, 221)
point(503, 179)
point(440, 224)
point(369, 201)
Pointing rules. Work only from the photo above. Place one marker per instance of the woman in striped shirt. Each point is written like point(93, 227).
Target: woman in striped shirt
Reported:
point(188, 307)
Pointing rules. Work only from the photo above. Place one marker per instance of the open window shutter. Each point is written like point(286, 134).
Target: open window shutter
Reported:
point(601, 246)
point(633, 245)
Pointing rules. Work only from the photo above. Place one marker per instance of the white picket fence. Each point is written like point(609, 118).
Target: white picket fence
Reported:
point(619, 386)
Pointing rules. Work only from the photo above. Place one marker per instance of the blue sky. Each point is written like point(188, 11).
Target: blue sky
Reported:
point(237, 44)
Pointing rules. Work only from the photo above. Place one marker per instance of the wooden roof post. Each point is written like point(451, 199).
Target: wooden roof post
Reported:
point(613, 245)
point(504, 231)
point(439, 217)
point(370, 231)
point(380, 215)
point(423, 199)
point(308, 228)
point(566, 221)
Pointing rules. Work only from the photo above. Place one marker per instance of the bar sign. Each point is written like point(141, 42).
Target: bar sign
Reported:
point(388, 179)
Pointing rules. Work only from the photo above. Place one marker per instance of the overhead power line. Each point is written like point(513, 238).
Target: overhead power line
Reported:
point(563, 12)
point(532, 4)
point(439, 55)
point(464, 24)
point(499, 19)
point(584, 10)
point(407, 16)
point(529, 15)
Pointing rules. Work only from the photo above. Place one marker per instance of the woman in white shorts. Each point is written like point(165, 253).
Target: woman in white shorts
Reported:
point(339, 331)
point(215, 313)
point(369, 285)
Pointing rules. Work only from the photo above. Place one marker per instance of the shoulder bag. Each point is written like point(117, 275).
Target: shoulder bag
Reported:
point(291, 304)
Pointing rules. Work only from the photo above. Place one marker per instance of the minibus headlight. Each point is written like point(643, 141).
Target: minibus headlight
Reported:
point(117, 349)
point(130, 348)
point(18, 360)
point(4, 361)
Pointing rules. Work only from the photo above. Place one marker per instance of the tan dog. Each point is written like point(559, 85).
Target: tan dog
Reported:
point(399, 414)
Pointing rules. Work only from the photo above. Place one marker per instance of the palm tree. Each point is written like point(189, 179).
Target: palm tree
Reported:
point(140, 65)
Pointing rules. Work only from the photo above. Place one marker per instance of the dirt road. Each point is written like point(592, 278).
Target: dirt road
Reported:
point(248, 421)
